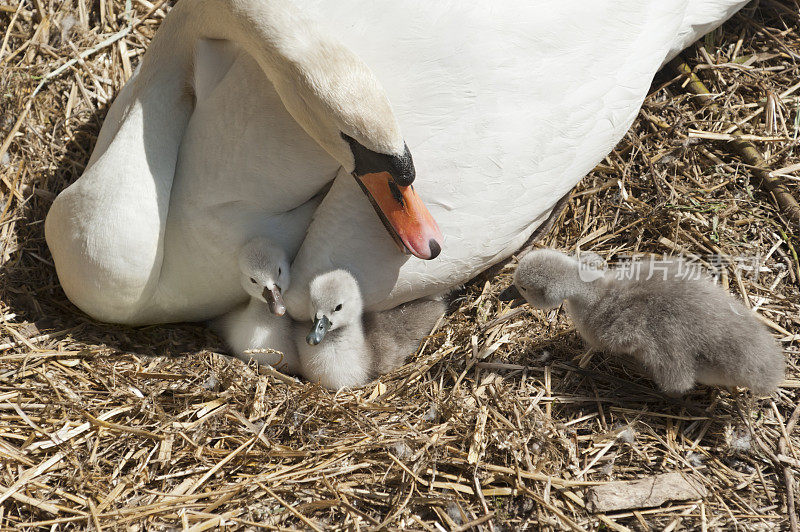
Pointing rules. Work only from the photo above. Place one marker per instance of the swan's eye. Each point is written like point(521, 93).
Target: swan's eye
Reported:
point(253, 281)
point(338, 308)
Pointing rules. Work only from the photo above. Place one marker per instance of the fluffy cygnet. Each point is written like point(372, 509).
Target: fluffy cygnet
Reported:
point(347, 347)
point(260, 323)
point(679, 325)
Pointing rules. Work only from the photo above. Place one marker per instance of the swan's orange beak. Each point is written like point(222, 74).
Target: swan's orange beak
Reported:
point(403, 214)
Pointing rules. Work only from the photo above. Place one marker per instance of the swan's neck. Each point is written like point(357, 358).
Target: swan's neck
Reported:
point(311, 71)
point(278, 36)
point(273, 32)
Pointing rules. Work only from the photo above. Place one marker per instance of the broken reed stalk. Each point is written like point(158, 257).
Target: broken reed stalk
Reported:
point(746, 150)
point(774, 185)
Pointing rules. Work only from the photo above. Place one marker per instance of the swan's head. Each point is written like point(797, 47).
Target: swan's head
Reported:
point(545, 278)
point(335, 97)
point(335, 302)
point(265, 273)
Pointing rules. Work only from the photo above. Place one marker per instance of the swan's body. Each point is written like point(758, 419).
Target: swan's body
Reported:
point(666, 314)
point(347, 347)
point(257, 328)
point(505, 106)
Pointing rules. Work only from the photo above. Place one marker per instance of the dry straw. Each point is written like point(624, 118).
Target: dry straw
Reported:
point(502, 421)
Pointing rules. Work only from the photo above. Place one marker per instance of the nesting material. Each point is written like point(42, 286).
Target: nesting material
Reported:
point(236, 448)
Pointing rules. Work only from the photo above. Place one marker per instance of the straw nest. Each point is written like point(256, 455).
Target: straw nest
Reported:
point(503, 419)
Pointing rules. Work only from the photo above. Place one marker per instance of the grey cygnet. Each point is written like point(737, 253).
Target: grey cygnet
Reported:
point(347, 347)
point(680, 326)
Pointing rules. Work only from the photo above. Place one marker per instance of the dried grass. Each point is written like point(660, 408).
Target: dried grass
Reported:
point(501, 420)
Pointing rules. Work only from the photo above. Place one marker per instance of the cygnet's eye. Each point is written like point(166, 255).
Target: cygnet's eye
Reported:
point(338, 308)
point(279, 270)
point(253, 281)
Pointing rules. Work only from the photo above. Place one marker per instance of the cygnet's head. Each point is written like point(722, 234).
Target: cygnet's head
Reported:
point(335, 302)
point(545, 278)
point(265, 273)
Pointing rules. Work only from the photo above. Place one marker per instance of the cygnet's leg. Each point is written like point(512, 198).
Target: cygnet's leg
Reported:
point(714, 376)
point(673, 373)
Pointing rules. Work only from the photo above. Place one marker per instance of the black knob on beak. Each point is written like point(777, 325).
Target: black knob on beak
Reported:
point(318, 330)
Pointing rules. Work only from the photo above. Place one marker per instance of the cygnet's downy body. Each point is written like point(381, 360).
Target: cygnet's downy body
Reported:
point(260, 324)
point(680, 326)
point(347, 347)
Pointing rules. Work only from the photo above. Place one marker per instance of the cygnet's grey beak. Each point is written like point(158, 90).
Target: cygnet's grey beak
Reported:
point(274, 300)
point(512, 295)
point(318, 330)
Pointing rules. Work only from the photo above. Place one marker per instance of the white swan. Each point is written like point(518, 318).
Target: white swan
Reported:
point(504, 105)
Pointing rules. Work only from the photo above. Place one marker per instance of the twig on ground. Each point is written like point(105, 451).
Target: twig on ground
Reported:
point(745, 149)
